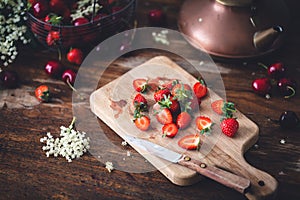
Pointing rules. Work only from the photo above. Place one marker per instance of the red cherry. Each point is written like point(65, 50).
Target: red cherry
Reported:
point(156, 17)
point(277, 70)
point(80, 21)
point(9, 79)
point(75, 56)
point(40, 8)
point(262, 86)
point(69, 76)
point(287, 87)
point(53, 68)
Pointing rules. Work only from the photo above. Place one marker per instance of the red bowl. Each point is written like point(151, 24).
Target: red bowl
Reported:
point(97, 30)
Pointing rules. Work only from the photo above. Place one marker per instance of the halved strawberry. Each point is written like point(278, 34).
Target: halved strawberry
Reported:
point(140, 85)
point(142, 122)
point(169, 130)
point(204, 124)
point(217, 106)
point(190, 142)
point(164, 116)
point(161, 94)
point(229, 126)
point(200, 89)
point(222, 107)
point(183, 120)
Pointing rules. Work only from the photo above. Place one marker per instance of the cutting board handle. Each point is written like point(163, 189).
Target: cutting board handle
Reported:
point(263, 185)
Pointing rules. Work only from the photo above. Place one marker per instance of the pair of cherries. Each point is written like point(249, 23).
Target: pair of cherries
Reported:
point(276, 77)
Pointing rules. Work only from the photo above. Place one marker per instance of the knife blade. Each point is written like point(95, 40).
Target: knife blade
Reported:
point(226, 178)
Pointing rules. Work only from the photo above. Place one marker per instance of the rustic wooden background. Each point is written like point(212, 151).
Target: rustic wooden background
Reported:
point(26, 173)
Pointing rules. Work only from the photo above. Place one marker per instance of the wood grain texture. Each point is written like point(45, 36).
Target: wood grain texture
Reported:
point(26, 173)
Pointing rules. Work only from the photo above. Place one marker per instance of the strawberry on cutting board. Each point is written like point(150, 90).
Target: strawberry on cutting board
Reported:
point(203, 124)
point(183, 120)
point(222, 107)
point(190, 142)
point(164, 116)
point(229, 126)
point(142, 122)
point(169, 130)
point(200, 89)
point(140, 85)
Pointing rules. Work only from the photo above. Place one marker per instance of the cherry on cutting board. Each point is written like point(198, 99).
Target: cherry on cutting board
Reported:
point(287, 87)
point(53, 68)
point(156, 17)
point(262, 86)
point(9, 79)
point(289, 120)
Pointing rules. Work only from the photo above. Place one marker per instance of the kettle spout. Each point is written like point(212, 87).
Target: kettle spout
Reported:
point(266, 38)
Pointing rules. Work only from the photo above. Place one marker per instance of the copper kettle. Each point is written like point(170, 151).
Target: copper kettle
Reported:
point(234, 28)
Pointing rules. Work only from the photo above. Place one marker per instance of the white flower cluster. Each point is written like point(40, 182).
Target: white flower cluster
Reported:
point(109, 166)
point(12, 29)
point(85, 8)
point(71, 144)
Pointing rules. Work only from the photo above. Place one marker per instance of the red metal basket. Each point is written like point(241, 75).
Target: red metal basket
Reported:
point(87, 34)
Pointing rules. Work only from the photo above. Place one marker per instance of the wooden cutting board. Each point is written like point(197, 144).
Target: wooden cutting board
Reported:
point(111, 104)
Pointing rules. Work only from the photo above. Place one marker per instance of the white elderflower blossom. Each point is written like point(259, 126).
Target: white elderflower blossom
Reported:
point(12, 29)
point(71, 144)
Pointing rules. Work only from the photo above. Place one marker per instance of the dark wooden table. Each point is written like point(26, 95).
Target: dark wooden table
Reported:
point(26, 173)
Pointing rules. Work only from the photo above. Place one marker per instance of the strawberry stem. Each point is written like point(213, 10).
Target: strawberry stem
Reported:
point(70, 85)
point(59, 53)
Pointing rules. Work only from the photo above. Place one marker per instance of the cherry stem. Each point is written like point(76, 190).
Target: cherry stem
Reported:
point(70, 85)
point(59, 53)
point(262, 65)
point(293, 92)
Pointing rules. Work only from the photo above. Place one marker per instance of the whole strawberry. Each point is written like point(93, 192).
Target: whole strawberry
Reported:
point(75, 56)
point(229, 126)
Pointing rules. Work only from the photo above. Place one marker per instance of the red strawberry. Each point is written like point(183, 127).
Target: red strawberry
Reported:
point(223, 108)
point(164, 116)
point(169, 130)
point(203, 123)
point(161, 94)
point(139, 99)
point(190, 142)
point(169, 85)
point(195, 103)
point(140, 85)
point(75, 55)
point(42, 93)
point(52, 38)
point(229, 126)
point(180, 88)
point(142, 123)
point(171, 103)
point(200, 89)
point(183, 120)
point(217, 106)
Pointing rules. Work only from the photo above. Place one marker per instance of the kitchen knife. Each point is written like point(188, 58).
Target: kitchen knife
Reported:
point(226, 178)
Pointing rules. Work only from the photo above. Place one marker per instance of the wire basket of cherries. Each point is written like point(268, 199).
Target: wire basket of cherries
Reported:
point(66, 23)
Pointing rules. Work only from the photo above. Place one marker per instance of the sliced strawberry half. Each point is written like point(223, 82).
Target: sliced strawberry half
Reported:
point(222, 107)
point(217, 106)
point(140, 85)
point(164, 116)
point(142, 123)
point(169, 130)
point(203, 124)
point(183, 120)
point(190, 142)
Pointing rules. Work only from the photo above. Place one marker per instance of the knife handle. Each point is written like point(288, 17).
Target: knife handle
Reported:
point(226, 178)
